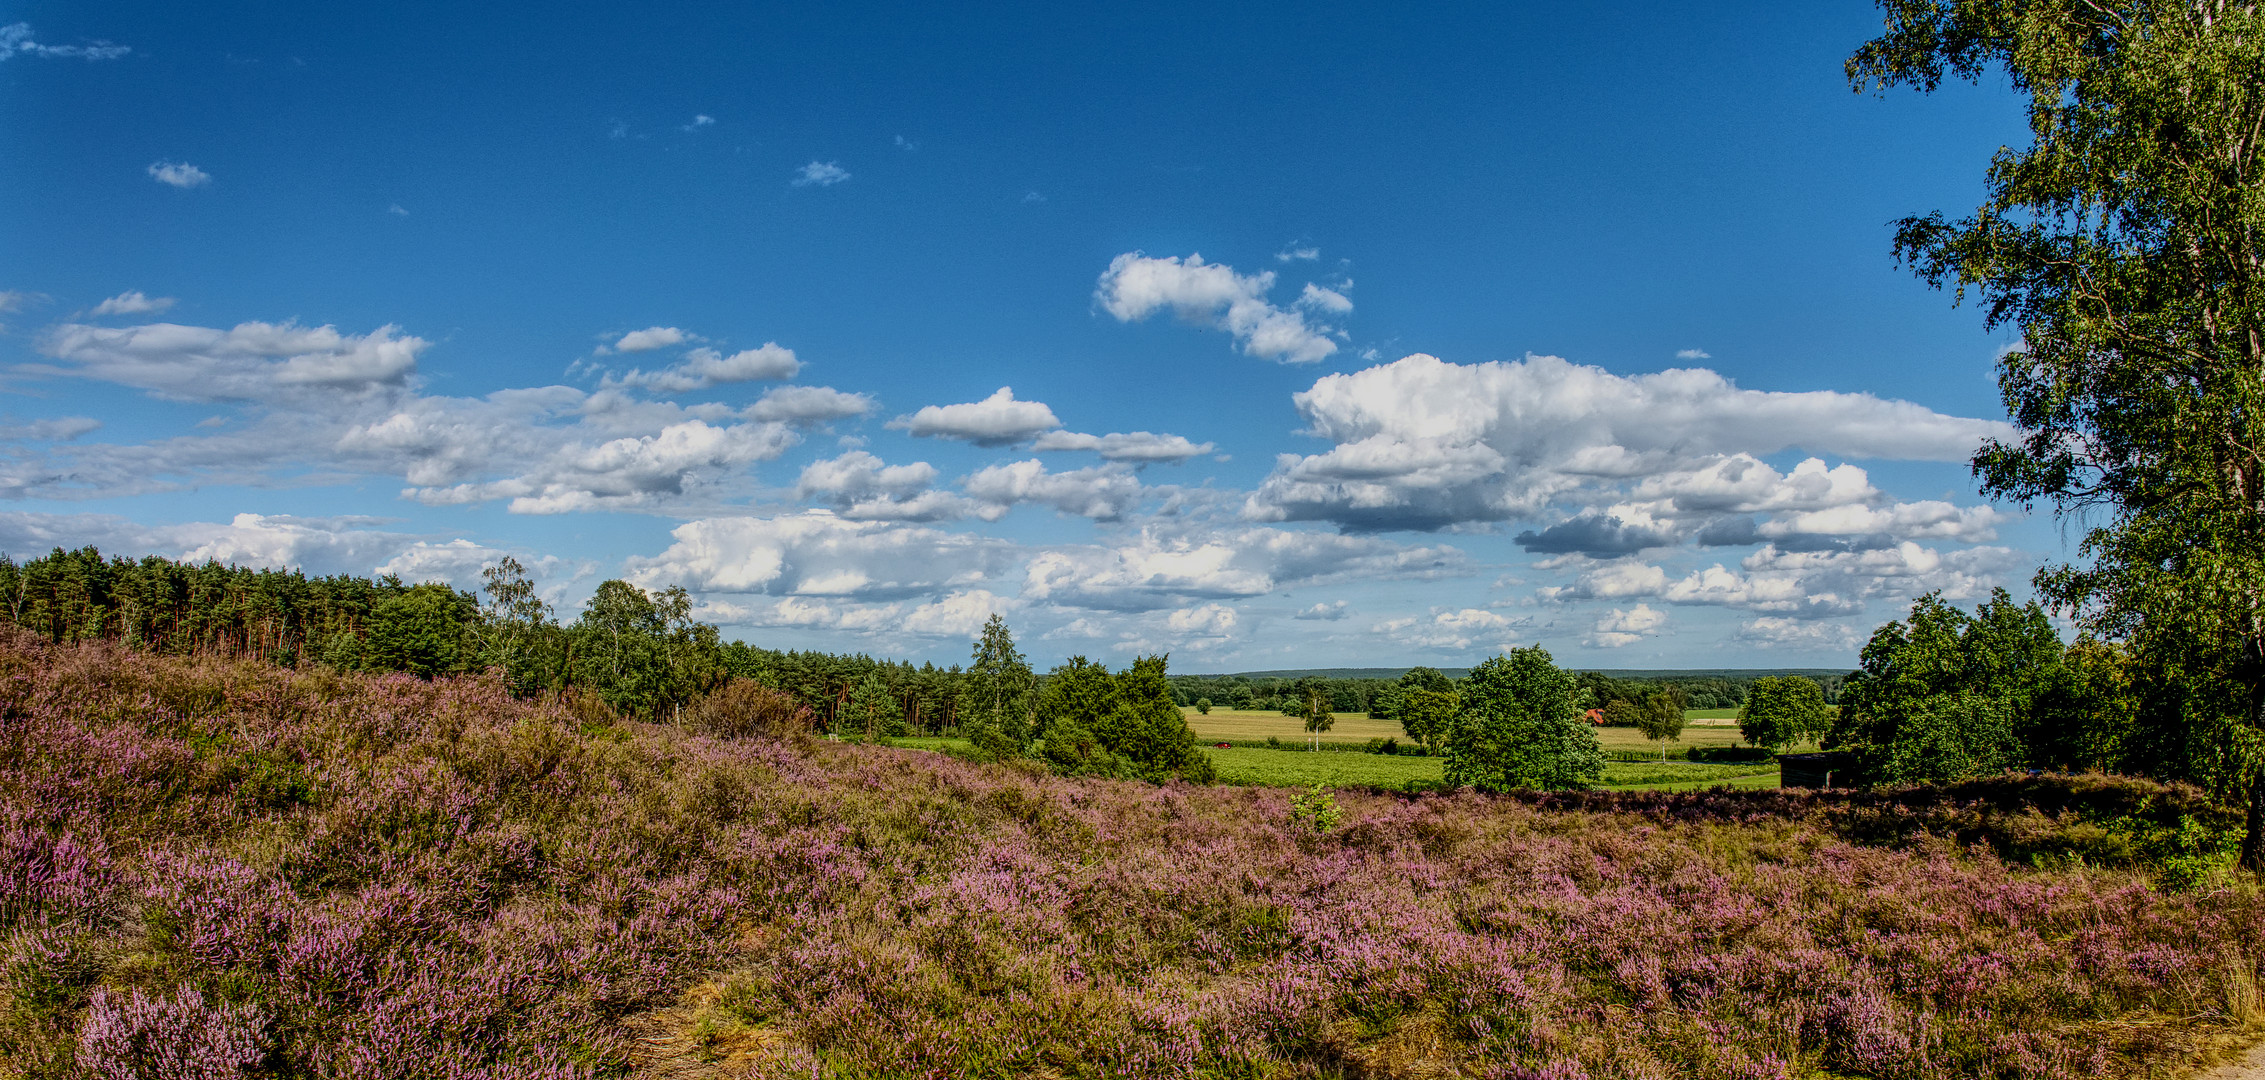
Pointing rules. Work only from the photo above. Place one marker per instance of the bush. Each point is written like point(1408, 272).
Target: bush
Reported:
point(741, 708)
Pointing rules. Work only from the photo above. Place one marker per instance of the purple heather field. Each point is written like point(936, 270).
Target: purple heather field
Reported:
point(213, 869)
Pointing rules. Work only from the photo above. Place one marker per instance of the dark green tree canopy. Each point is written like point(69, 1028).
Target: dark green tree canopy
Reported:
point(1783, 710)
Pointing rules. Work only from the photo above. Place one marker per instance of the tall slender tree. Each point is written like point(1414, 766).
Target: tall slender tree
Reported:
point(2126, 244)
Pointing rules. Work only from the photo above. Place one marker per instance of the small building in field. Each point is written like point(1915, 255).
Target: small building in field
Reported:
point(1821, 770)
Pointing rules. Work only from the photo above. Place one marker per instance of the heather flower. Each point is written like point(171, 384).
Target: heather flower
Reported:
point(131, 1036)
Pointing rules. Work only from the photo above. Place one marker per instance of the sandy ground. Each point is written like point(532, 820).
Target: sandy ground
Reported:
point(2250, 1066)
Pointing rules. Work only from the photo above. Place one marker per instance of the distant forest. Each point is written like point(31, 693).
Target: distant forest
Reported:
point(641, 652)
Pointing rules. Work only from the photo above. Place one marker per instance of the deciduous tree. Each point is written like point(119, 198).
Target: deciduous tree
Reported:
point(1783, 710)
point(2126, 244)
point(1519, 729)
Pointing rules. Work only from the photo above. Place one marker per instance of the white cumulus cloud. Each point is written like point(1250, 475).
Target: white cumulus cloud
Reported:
point(255, 361)
point(819, 554)
point(998, 420)
point(808, 404)
point(820, 174)
point(1137, 286)
point(1154, 570)
point(16, 40)
point(1620, 627)
point(133, 302)
point(1103, 493)
point(1134, 446)
point(650, 338)
point(704, 367)
point(1424, 444)
point(1453, 630)
point(178, 174)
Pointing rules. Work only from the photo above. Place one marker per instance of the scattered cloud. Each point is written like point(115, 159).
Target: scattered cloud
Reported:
point(318, 405)
point(1619, 628)
point(132, 302)
point(1424, 444)
point(1693, 354)
point(906, 145)
point(396, 210)
point(956, 615)
point(179, 174)
point(50, 429)
point(1326, 301)
point(1033, 197)
point(705, 367)
point(820, 174)
point(255, 361)
point(1103, 493)
point(624, 473)
point(1801, 584)
point(998, 420)
point(820, 554)
point(1135, 446)
point(862, 487)
point(1773, 632)
point(1325, 612)
point(1297, 254)
point(699, 121)
point(1450, 630)
point(1208, 620)
point(808, 404)
point(16, 40)
point(1156, 570)
point(650, 338)
point(1597, 533)
point(1212, 294)
point(316, 545)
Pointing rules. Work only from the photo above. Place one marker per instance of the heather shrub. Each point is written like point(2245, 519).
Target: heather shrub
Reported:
point(352, 877)
point(131, 1036)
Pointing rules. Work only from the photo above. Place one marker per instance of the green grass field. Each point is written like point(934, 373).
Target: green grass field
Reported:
point(1253, 767)
point(1707, 727)
point(1292, 768)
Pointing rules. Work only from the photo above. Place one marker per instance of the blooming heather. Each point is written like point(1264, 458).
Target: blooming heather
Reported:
point(213, 869)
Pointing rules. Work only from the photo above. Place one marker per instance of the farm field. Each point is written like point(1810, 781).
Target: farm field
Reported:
point(1260, 767)
point(1257, 725)
point(1292, 768)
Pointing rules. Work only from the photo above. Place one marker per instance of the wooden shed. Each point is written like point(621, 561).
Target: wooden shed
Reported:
point(1816, 770)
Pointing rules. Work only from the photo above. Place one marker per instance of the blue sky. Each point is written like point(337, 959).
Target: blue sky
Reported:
point(1334, 335)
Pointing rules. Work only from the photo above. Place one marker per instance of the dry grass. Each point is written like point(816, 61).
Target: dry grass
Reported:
point(1259, 724)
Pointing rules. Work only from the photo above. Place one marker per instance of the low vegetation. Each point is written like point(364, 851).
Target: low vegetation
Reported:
point(217, 869)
